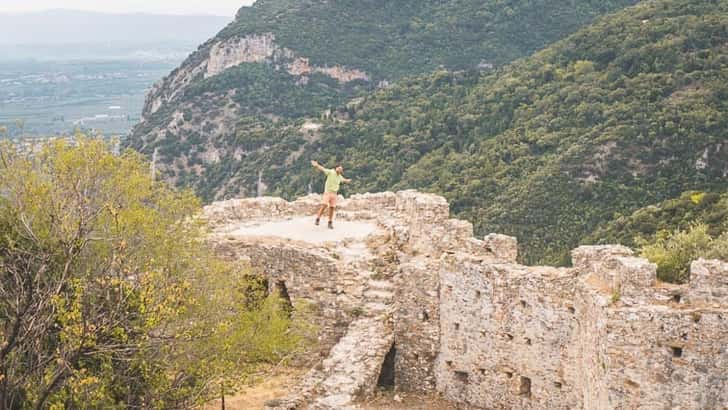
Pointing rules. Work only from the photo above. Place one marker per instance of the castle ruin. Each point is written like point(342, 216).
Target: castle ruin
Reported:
point(407, 297)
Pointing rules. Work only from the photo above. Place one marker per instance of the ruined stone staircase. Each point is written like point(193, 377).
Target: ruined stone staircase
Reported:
point(351, 369)
point(354, 364)
point(378, 297)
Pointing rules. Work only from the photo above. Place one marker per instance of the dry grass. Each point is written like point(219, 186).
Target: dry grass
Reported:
point(254, 396)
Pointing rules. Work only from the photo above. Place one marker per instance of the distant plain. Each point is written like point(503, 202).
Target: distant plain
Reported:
point(65, 70)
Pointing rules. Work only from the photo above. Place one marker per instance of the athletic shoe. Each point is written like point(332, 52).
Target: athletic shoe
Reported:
point(317, 221)
point(331, 225)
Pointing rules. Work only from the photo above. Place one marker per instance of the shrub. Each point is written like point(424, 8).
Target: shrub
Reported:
point(673, 252)
point(109, 297)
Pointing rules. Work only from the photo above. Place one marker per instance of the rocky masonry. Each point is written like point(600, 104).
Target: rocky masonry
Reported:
point(407, 297)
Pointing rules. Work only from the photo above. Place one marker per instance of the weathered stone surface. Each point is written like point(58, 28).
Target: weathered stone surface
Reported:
point(251, 49)
point(350, 370)
point(301, 66)
point(458, 315)
point(416, 324)
point(259, 48)
point(504, 334)
point(615, 266)
point(708, 282)
point(504, 247)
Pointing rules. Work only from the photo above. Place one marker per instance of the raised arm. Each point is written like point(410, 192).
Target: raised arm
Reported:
point(318, 166)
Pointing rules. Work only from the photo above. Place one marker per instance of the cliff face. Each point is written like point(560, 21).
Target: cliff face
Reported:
point(245, 92)
point(218, 56)
point(406, 295)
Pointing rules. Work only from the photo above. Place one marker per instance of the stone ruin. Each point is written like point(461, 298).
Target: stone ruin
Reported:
point(408, 298)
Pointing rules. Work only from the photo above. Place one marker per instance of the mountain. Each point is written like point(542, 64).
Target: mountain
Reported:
point(285, 60)
point(626, 112)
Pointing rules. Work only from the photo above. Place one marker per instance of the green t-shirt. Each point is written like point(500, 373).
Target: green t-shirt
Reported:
point(333, 180)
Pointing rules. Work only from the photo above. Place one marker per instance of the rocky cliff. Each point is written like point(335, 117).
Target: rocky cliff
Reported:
point(408, 297)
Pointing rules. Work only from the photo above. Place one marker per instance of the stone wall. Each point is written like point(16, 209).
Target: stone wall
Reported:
point(650, 345)
point(601, 335)
point(416, 325)
point(309, 275)
point(465, 319)
point(505, 332)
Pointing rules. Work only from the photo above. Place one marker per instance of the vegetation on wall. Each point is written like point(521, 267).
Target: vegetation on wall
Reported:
point(673, 252)
point(674, 232)
point(108, 296)
point(643, 225)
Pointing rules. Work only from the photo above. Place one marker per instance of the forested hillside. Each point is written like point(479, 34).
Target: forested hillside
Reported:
point(284, 60)
point(625, 113)
point(388, 39)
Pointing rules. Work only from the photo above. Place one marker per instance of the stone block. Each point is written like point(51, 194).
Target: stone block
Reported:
point(708, 282)
point(617, 268)
point(504, 248)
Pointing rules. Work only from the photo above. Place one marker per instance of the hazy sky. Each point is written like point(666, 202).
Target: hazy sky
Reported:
point(216, 7)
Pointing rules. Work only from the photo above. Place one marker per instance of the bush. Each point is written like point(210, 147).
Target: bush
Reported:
point(673, 252)
point(109, 297)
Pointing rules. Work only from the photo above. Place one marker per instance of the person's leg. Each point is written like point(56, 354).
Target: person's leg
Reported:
point(331, 217)
point(332, 208)
point(320, 212)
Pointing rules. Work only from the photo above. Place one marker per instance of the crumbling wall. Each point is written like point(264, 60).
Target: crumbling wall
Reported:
point(416, 325)
point(423, 223)
point(505, 332)
point(310, 276)
point(466, 320)
point(601, 335)
point(647, 345)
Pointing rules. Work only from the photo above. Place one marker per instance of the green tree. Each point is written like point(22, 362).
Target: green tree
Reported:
point(109, 297)
point(674, 251)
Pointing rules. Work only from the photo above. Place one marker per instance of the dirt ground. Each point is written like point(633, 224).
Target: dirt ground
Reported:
point(254, 396)
point(388, 400)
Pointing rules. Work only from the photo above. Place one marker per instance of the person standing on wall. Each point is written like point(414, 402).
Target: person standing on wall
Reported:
point(334, 178)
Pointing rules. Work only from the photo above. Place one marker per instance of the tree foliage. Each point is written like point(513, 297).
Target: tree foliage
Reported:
point(109, 297)
point(391, 39)
point(674, 251)
point(674, 232)
point(679, 214)
point(386, 39)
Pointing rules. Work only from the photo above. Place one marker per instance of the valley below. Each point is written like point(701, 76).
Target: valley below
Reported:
point(41, 98)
